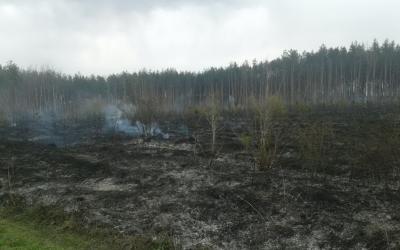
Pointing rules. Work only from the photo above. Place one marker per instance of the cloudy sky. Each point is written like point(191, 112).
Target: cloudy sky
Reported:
point(106, 36)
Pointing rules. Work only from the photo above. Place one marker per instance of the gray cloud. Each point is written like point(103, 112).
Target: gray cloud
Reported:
point(100, 36)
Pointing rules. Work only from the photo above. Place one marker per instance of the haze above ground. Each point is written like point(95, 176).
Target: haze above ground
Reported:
point(103, 37)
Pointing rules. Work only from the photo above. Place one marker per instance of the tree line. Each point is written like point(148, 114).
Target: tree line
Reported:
point(356, 74)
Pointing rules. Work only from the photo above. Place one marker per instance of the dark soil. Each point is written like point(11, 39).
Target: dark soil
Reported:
point(220, 202)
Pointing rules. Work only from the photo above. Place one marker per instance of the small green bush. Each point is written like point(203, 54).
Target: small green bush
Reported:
point(302, 108)
point(267, 150)
point(275, 107)
point(246, 141)
point(266, 118)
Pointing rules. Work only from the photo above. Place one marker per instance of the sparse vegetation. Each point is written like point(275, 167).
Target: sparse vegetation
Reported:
point(51, 228)
point(320, 165)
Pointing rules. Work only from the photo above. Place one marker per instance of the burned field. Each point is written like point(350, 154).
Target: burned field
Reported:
point(332, 183)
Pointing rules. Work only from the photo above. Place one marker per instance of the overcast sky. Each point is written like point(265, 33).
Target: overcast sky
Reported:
point(102, 37)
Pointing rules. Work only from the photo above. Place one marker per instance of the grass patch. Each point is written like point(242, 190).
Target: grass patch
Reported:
point(40, 227)
point(25, 235)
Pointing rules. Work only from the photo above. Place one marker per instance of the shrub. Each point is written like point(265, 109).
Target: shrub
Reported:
point(302, 108)
point(266, 117)
point(246, 140)
point(267, 150)
point(275, 107)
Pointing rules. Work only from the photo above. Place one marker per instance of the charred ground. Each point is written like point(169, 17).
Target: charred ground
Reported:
point(335, 190)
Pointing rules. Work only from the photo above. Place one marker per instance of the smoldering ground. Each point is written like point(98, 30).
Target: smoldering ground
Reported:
point(222, 202)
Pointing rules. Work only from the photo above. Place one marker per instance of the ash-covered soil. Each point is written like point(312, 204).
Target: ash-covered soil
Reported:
point(220, 202)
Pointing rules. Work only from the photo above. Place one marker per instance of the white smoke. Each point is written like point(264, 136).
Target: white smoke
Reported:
point(115, 121)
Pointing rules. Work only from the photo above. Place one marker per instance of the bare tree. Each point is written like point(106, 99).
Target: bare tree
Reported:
point(212, 113)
